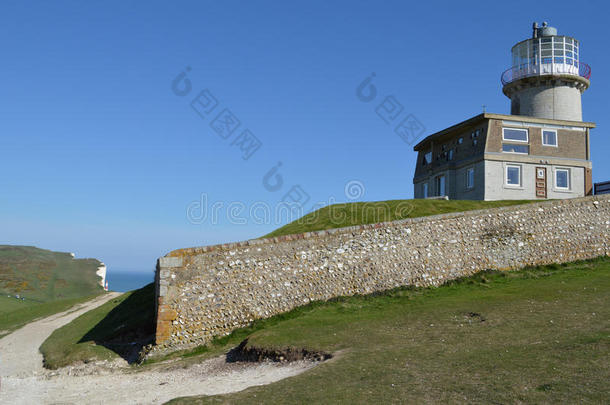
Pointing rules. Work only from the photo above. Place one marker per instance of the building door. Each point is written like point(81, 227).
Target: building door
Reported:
point(440, 185)
point(541, 182)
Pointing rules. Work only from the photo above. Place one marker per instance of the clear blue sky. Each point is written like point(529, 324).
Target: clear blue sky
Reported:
point(100, 157)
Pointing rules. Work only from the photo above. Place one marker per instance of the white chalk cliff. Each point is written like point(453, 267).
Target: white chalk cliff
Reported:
point(101, 271)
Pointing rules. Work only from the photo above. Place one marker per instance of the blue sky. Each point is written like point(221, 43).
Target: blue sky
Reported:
point(101, 157)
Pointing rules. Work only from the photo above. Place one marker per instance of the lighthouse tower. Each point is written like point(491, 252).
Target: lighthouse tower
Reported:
point(547, 78)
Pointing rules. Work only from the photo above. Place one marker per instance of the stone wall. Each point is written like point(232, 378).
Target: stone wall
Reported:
point(210, 291)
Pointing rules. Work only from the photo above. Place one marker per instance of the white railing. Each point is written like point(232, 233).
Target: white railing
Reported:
point(528, 70)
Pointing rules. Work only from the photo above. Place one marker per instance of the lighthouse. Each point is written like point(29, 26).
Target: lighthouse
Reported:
point(547, 77)
point(541, 150)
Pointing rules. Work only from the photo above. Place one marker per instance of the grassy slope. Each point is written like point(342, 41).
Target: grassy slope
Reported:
point(10, 304)
point(51, 282)
point(43, 275)
point(545, 338)
point(119, 327)
point(15, 318)
point(342, 215)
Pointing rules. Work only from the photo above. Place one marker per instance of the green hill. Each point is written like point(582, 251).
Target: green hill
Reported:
point(43, 275)
point(45, 282)
point(360, 213)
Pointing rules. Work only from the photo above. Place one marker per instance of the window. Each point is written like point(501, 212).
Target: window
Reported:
point(509, 148)
point(425, 190)
point(450, 154)
point(428, 158)
point(513, 175)
point(514, 134)
point(460, 141)
point(470, 178)
point(549, 137)
point(562, 179)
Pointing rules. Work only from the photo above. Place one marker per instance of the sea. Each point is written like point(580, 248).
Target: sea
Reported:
point(127, 280)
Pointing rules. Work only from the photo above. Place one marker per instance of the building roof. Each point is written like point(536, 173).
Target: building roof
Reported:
point(481, 117)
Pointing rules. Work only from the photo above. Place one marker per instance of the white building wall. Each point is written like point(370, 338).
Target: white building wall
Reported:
point(497, 189)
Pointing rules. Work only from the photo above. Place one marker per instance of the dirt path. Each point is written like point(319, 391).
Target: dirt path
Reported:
point(25, 381)
point(19, 355)
point(211, 377)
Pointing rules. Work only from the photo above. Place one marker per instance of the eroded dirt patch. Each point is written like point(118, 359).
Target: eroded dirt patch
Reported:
point(246, 353)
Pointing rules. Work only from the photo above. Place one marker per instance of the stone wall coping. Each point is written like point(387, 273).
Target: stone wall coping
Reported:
point(179, 253)
point(170, 261)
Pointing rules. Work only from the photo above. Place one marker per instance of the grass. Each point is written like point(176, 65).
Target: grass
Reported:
point(49, 281)
point(120, 327)
point(19, 313)
point(538, 335)
point(350, 214)
point(42, 275)
point(10, 304)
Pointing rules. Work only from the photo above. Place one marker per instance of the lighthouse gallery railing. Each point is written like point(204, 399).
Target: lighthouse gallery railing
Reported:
point(530, 70)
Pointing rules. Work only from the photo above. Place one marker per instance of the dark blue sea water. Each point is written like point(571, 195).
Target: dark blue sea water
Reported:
point(122, 280)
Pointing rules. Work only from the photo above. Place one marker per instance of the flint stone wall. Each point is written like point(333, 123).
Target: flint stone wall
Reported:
point(210, 291)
